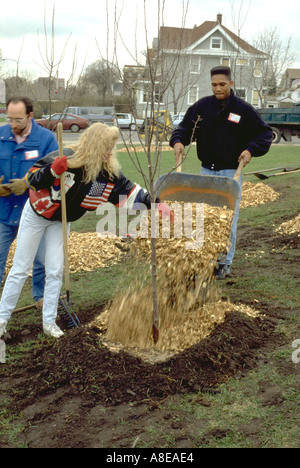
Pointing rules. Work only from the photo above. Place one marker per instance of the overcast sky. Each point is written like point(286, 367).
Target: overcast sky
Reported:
point(22, 27)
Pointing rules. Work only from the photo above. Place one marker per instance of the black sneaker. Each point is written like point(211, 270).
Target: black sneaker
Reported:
point(222, 271)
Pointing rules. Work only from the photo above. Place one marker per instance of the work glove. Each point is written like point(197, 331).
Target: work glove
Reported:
point(17, 186)
point(59, 166)
point(166, 212)
point(4, 191)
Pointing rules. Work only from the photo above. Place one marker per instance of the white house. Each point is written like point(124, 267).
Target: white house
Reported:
point(184, 57)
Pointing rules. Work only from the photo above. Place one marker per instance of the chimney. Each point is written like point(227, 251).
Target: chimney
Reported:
point(219, 18)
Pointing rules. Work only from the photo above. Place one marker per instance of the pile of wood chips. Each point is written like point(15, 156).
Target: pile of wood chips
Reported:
point(141, 149)
point(257, 194)
point(290, 227)
point(87, 252)
point(194, 326)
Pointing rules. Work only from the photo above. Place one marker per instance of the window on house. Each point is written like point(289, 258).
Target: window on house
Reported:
point(157, 96)
point(145, 96)
point(257, 68)
point(225, 62)
point(193, 95)
point(216, 43)
point(242, 62)
point(255, 98)
point(195, 64)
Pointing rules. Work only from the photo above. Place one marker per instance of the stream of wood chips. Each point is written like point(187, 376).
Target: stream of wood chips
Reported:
point(188, 298)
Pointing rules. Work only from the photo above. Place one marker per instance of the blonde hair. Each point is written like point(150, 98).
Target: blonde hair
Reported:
point(90, 151)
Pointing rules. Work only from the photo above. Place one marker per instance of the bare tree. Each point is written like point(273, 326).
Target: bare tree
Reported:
point(51, 64)
point(280, 57)
point(155, 77)
point(100, 76)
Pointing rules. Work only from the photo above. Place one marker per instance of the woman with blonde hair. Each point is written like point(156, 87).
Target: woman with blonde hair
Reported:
point(92, 177)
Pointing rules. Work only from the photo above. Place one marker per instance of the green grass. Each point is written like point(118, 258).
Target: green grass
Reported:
point(278, 156)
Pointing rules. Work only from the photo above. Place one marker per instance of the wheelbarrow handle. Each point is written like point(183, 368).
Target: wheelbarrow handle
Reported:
point(179, 163)
point(239, 171)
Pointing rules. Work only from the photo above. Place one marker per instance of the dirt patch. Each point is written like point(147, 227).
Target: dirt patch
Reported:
point(99, 375)
point(73, 392)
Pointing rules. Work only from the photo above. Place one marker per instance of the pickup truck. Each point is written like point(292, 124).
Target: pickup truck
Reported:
point(127, 121)
point(285, 122)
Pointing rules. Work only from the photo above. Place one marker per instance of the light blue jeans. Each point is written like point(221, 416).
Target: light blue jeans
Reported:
point(228, 173)
point(32, 229)
point(7, 236)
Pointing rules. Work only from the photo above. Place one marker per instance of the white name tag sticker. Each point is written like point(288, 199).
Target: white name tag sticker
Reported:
point(234, 118)
point(31, 154)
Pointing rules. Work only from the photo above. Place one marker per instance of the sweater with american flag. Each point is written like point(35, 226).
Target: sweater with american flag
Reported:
point(45, 196)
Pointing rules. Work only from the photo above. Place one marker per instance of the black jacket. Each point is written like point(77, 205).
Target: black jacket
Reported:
point(45, 198)
point(222, 133)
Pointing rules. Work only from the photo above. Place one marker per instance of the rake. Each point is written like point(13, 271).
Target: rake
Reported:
point(65, 310)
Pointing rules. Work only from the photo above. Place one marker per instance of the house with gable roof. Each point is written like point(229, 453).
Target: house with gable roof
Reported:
point(185, 57)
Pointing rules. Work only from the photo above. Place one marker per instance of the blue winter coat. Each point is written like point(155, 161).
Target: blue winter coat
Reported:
point(15, 162)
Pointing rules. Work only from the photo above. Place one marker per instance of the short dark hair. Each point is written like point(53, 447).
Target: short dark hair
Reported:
point(26, 101)
point(221, 70)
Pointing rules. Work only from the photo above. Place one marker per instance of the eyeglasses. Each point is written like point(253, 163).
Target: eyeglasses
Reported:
point(18, 121)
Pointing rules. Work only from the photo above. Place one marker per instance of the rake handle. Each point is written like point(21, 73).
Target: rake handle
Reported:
point(64, 212)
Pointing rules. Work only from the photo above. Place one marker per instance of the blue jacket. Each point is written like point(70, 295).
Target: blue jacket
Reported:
point(222, 133)
point(15, 162)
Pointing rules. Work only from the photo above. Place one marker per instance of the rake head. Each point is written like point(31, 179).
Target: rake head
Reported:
point(67, 314)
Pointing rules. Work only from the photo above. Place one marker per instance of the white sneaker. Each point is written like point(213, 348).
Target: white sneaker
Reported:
point(53, 330)
point(2, 327)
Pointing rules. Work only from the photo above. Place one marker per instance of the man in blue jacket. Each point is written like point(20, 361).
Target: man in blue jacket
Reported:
point(226, 130)
point(22, 143)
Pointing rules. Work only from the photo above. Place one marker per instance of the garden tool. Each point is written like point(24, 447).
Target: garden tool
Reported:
point(266, 170)
point(195, 188)
point(64, 307)
point(261, 175)
point(264, 176)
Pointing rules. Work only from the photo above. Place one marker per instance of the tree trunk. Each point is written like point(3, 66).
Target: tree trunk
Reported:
point(154, 290)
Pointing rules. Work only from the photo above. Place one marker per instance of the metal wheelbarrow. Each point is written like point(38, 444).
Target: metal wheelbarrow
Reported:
point(194, 188)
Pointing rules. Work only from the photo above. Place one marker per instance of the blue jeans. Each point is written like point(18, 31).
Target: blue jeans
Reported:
point(228, 173)
point(7, 236)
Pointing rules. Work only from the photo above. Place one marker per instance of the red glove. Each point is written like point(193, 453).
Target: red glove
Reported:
point(59, 166)
point(166, 212)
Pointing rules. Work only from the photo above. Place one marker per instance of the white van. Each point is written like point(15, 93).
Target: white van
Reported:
point(94, 114)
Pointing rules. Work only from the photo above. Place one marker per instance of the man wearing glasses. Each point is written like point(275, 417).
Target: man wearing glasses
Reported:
point(22, 143)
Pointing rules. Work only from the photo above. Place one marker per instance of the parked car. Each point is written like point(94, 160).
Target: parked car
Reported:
point(127, 121)
point(69, 121)
point(177, 118)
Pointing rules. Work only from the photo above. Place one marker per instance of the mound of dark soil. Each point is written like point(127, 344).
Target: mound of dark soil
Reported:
point(79, 362)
